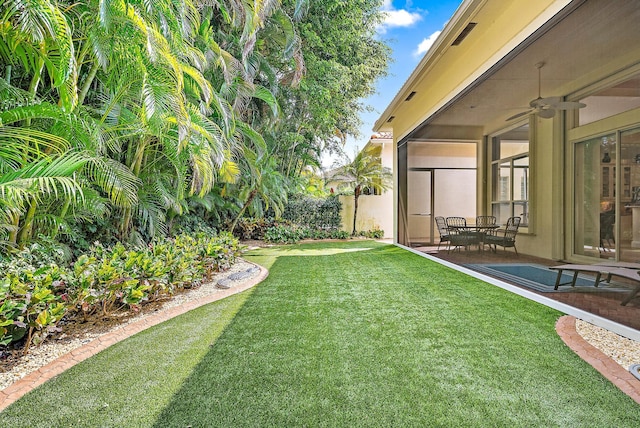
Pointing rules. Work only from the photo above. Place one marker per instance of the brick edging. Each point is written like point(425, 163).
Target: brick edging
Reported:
point(36, 378)
point(566, 329)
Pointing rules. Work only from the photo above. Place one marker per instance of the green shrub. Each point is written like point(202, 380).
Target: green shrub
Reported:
point(372, 234)
point(31, 304)
point(283, 234)
point(191, 225)
point(315, 213)
point(339, 234)
point(34, 296)
point(290, 234)
point(252, 228)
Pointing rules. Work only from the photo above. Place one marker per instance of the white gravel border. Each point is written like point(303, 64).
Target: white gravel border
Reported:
point(623, 351)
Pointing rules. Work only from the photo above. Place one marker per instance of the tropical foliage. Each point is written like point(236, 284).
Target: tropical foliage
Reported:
point(36, 293)
point(364, 173)
point(119, 118)
point(316, 213)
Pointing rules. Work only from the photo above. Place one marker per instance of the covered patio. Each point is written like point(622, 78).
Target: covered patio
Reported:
point(528, 110)
point(605, 304)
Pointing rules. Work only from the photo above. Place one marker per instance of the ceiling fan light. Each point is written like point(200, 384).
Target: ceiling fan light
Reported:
point(547, 113)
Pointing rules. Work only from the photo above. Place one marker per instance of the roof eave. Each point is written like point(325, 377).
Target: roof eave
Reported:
point(458, 21)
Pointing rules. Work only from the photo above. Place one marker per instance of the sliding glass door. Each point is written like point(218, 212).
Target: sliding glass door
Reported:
point(594, 201)
point(607, 196)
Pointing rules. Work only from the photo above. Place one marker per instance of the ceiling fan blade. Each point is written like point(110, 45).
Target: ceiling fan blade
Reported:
point(547, 113)
point(568, 105)
point(522, 113)
point(546, 107)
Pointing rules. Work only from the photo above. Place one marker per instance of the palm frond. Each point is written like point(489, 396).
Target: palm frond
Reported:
point(49, 176)
point(116, 180)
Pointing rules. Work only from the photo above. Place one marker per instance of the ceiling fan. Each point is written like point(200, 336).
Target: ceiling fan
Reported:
point(546, 107)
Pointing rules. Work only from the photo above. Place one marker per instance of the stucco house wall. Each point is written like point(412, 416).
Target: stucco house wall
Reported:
point(509, 53)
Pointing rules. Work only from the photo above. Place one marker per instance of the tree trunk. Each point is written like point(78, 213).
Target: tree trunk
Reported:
point(27, 225)
point(136, 167)
point(252, 195)
point(356, 195)
point(62, 215)
point(87, 83)
point(14, 218)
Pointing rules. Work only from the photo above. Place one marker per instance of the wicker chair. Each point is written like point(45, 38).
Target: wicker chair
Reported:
point(443, 231)
point(488, 222)
point(504, 237)
point(459, 236)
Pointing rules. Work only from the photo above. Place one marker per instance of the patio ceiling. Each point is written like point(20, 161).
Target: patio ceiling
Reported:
point(588, 45)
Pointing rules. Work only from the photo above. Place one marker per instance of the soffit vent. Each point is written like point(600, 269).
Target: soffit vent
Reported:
point(411, 95)
point(390, 119)
point(464, 33)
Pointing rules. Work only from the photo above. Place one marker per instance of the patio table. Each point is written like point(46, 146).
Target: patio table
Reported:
point(471, 233)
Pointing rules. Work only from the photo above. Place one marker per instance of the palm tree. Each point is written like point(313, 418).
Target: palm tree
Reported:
point(364, 171)
point(261, 187)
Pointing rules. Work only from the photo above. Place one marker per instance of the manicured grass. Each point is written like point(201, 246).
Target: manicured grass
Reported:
point(341, 334)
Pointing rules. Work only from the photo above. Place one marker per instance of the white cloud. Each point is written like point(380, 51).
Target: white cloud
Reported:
point(425, 44)
point(400, 18)
point(397, 17)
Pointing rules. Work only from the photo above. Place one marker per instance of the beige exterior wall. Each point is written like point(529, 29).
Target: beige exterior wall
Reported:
point(473, 91)
point(374, 212)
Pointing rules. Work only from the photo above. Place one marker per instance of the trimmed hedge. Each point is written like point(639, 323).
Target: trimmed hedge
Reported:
point(314, 213)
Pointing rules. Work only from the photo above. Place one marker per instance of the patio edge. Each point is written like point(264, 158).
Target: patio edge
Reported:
point(566, 329)
point(607, 324)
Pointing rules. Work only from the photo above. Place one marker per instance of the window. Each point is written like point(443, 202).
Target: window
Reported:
point(608, 102)
point(510, 175)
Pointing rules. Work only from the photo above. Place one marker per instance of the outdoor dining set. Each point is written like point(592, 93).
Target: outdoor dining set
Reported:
point(457, 234)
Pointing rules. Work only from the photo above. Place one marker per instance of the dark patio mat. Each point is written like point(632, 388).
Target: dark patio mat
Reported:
point(541, 278)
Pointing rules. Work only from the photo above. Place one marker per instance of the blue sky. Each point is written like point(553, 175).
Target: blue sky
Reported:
point(410, 29)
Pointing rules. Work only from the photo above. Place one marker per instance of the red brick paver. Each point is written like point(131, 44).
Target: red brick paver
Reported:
point(566, 328)
point(36, 378)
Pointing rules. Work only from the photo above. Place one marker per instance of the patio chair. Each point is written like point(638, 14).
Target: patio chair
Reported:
point(441, 223)
point(504, 237)
point(607, 221)
point(485, 220)
point(459, 235)
point(484, 225)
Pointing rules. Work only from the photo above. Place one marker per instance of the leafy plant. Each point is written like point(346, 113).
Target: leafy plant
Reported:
point(31, 304)
point(252, 228)
point(283, 234)
point(372, 234)
point(33, 299)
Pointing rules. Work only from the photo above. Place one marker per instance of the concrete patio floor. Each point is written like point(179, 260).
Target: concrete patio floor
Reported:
point(601, 303)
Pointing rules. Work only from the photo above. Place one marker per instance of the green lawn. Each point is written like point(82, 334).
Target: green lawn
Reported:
point(340, 335)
